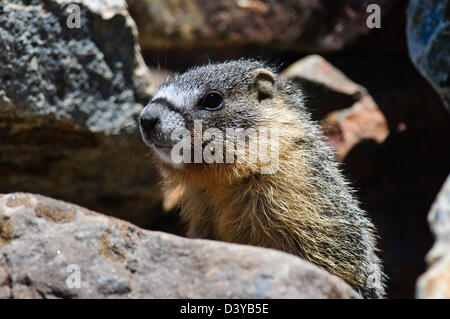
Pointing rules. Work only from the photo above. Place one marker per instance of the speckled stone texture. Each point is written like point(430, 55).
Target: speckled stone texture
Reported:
point(428, 32)
point(68, 103)
point(40, 237)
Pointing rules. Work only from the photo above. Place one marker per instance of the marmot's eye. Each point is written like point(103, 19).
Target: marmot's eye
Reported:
point(212, 101)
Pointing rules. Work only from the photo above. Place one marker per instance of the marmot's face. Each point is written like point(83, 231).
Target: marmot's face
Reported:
point(223, 96)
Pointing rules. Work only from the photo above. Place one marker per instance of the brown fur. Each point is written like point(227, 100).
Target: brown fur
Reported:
point(306, 208)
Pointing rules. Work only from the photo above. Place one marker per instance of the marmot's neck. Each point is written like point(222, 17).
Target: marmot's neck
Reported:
point(247, 209)
point(305, 208)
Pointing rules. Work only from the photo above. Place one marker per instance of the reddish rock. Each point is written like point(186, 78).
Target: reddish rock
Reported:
point(347, 128)
point(315, 69)
point(348, 114)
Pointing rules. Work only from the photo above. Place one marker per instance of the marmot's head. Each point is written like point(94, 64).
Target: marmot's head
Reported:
point(244, 95)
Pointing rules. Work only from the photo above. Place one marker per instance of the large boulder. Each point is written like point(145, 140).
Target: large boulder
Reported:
point(429, 42)
point(48, 246)
point(320, 26)
point(69, 98)
point(435, 282)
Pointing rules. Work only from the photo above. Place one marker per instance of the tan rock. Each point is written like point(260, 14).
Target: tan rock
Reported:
point(115, 259)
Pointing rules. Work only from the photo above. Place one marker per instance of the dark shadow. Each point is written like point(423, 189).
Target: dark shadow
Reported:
point(398, 180)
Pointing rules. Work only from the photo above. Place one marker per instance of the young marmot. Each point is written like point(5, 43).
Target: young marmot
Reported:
point(304, 206)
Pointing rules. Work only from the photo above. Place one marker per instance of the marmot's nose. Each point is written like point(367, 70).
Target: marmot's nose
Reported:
point(148, 122)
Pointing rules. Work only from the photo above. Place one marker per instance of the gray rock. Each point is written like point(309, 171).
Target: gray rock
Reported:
point(435, 282)
point(68, 102)
point(41, 237)
point(428, 32)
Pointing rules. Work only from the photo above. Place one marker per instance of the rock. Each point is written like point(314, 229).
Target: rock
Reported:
point(435, 282)
point(314, 70)
point(319, 26)
point(68, 103)
point(361, 122)
point(428, 33)
point(348, 114)
point(41, 237)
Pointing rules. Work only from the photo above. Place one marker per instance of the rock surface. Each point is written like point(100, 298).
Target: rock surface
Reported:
point(41, 237)
point(320, 26)
point(428, 32)
point(435, 282)
point(68, 102)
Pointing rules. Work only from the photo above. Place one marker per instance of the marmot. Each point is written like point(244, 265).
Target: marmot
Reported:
point(304, 207)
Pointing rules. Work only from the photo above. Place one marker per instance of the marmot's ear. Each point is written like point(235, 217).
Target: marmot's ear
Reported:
point(264, 84)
